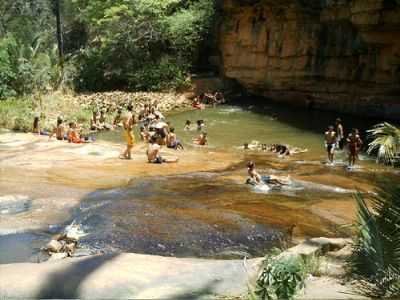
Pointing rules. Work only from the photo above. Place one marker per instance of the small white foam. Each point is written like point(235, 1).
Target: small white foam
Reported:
point(13, 198)
point(262, 188)
point(230, 110)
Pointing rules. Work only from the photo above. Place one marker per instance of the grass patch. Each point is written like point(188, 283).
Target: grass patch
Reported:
point(18, 113)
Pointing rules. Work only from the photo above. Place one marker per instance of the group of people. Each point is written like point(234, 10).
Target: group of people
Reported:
point(209, 98)
point(335, 139)
point(156, 132)
point(73, 133)
point(280, 149)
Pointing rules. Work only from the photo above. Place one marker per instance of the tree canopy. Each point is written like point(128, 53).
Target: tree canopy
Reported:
point(107, 44)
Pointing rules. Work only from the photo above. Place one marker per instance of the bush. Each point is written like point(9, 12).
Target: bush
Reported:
point(7, 74)
point(16, 114)
point(280, 278)
point(376, 256)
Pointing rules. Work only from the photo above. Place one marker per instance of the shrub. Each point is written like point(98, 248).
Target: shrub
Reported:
point(376, 256)
point(7, 74)
point(281, 278)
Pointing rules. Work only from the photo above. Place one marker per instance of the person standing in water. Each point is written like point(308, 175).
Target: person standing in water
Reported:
point(340, 134)
point(355, 143)
point(330, 142)
point(128, 122)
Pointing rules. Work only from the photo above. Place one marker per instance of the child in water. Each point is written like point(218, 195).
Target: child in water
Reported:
point(200, 125)
point(187, 125)
point(201, 139)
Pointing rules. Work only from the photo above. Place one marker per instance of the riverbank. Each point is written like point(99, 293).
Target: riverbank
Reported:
point(136, 276)
point(18, 114)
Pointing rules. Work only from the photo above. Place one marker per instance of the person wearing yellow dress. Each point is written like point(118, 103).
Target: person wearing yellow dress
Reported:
point(128, 121)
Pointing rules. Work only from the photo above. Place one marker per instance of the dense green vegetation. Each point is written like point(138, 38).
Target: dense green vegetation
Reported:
point(102, 45)
point(376, 256)
point(283, 276)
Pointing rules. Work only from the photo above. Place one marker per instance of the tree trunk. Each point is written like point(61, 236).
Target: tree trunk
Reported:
point(60, 41)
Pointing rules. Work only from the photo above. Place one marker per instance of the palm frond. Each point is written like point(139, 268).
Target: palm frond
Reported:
point(386, 139)
point(376, 255)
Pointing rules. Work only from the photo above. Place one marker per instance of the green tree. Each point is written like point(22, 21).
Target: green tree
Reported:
point(133, 43)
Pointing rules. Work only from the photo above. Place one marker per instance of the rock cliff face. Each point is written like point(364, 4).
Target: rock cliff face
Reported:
point(342, 55)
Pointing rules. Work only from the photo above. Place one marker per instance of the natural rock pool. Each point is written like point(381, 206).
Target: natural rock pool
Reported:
point(199, 207)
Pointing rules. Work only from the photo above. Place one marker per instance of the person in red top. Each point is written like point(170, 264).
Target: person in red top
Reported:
point(355, 143)
point(72, 134)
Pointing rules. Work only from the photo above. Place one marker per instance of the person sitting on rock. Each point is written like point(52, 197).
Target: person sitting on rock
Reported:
point(254, 176)
point(256, 179)
point(153, 153)
point(59, 130)
point(36, 127)
point(73, 134)
point(172, 141)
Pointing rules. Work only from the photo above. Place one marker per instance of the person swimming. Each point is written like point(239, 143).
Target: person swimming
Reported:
point(200, 125)
point(280, 149)
point(201, 139)
point(188, 125)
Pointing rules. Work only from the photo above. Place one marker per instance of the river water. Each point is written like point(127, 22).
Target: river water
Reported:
point(214, 214)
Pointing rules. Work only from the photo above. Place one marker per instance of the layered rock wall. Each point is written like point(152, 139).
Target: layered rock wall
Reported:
point(342, 55)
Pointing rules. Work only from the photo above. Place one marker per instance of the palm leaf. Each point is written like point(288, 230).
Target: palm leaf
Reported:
point(376, 256)
point(386, 140)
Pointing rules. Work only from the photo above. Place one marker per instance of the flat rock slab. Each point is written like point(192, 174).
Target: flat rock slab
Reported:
point(127, 275)
point(327, 288)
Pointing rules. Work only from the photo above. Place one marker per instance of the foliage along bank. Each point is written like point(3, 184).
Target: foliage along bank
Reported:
point(146, 45)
